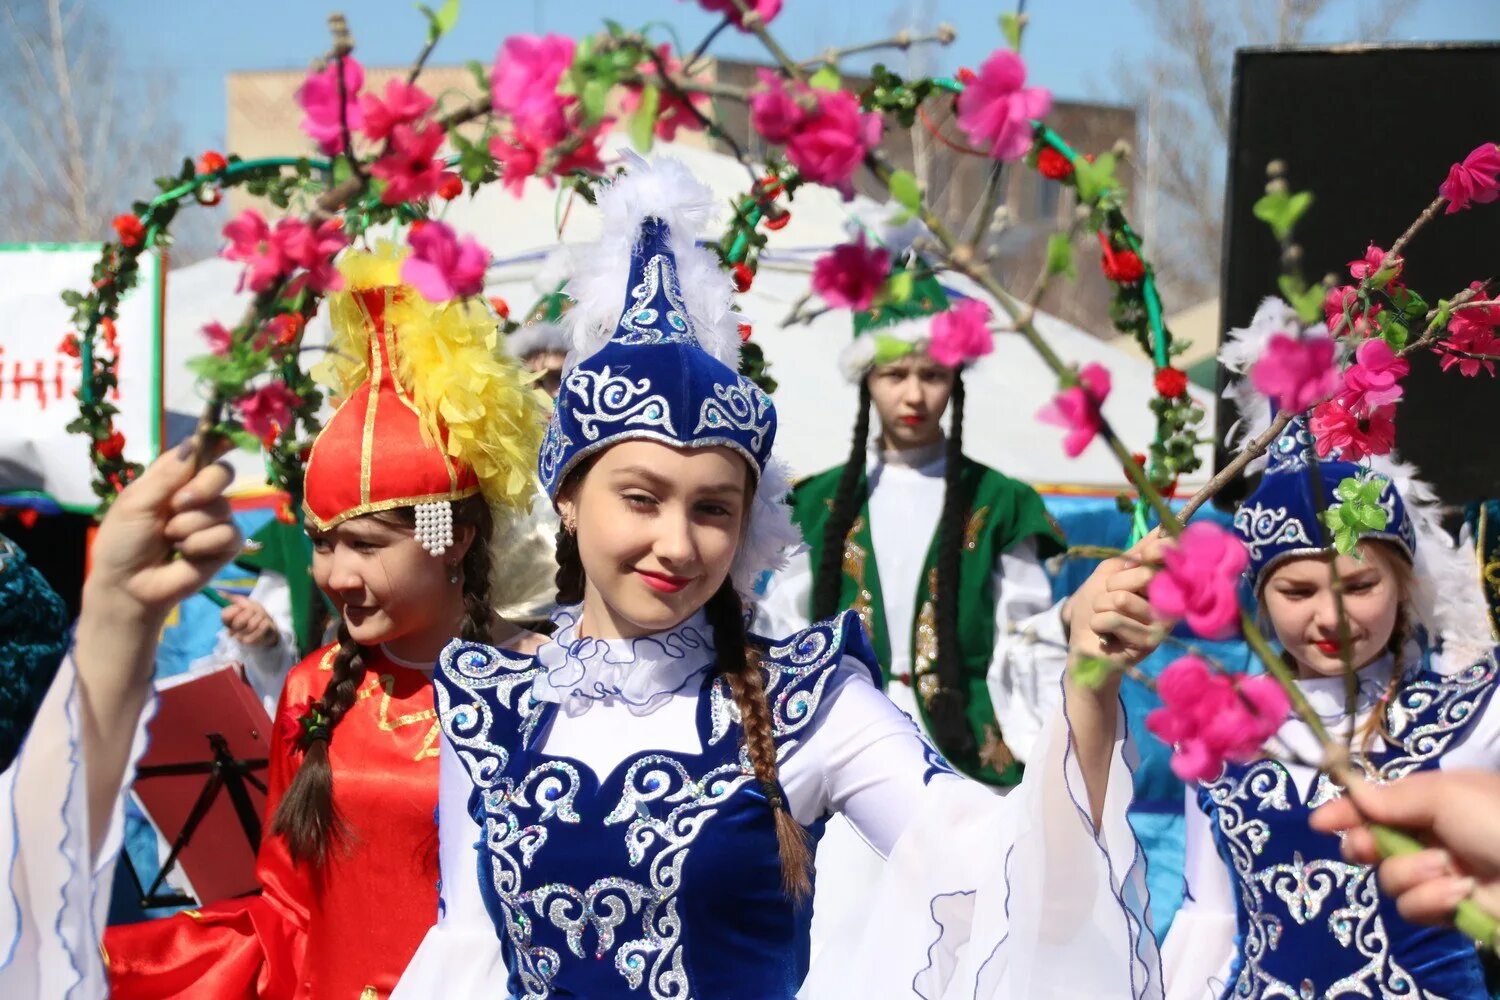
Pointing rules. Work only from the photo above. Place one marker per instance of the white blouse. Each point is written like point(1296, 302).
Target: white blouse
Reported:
point(1200, 946)
point(863, 758)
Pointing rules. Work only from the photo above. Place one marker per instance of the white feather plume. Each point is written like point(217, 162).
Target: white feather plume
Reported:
point(887, 224)
point(858, 356)
point(556, 268)
point(1243, 346)
point(1447, 596)
point(771, 535)
point(600, 271)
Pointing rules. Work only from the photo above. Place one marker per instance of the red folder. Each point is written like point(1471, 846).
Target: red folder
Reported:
point(202, 721)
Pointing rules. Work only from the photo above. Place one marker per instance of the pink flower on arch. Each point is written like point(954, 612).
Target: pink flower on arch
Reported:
point(828, 147)
point(528, 69)
point(1361, 323)
point(850, 275)
point(1209, 718)
point(1077, 409)
point(767, 9)
point(319, 97)
point(673, 112)
point(410, 170)
point(1354, 435)
point(1475, 180)
point(218, 338)
point(962, 334)
point(251, 243)
point(1295, 372)
point(1199, 580)
point(402, 104)
point(1372, 264)
point(996, 110)
point(441, 266)
point(1374, 380)
point(1471, 331)
point(775, 112)
point(267, 410)
point(313, 250)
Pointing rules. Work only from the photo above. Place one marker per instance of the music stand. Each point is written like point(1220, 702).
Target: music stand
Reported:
point(216, 835)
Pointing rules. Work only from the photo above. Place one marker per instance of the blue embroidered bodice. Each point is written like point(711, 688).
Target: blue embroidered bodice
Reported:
point(1310, 925)
point(660, 878)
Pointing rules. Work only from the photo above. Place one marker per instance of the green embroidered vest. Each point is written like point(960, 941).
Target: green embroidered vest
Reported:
point(1002, 513)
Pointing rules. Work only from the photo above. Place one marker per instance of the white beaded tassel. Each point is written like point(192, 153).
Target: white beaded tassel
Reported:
point(434, 526)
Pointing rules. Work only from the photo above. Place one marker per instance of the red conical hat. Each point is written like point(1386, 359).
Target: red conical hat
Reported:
point(374, 455)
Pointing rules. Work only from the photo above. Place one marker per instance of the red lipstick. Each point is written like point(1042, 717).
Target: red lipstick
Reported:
point(911, 421)
point(1328, 647)
point(662, 582)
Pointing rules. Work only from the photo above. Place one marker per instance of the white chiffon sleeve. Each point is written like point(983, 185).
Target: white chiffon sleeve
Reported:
point(1031, 650)
point(460, 956)
point(984, 897)
point(53, 912)
point(1199, 948)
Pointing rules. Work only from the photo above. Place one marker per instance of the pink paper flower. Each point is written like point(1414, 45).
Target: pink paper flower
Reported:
point(218, 337)
point(1295, 372)
point(850, 275)
point(1209, 718)
point(767, 9)
point(1371, 264)
point(319, 97)
point(961, 334)
point(403, 104)
point(1476, 179)
point(267, 410)
point(410, 170)
point(441, 267)
point(1077, 409)
point(1354, 436)
point(831, 144)
point(251, 243)
point(528, 69)
point(673, 112)
point(519, 158)
point(996, 111)
point(1374, 379)
point(313, 250)
point(1471, 331)
point(1361, 323)
point(774, 111)
point(1199, 580)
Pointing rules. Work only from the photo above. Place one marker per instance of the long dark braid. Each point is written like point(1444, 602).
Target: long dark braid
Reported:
point(828, 583)
point(740, 665)
point(945, 709)
point(306, 816)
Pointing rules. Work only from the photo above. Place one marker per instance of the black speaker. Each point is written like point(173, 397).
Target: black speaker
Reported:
point(1372, 131)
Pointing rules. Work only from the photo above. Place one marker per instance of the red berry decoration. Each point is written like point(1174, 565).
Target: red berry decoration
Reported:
point(1171, 382)
point(777, 219)
point(28, 517)
point(1052, 164)
point(966, 75)
point(111, 447)
point(1123, 267)
point(107, 328)
point(743, 277)
point(744, 329)
point(501, 307)
point(69, 345)
point(130, 230)
point(208, 195)
point(285, 328)
point(451, 186)
point(211, 162)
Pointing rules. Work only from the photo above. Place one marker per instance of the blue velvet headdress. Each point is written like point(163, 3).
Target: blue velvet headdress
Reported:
point(667, 370)
point(1280, 519)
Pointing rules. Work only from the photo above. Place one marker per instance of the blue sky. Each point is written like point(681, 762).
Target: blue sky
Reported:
point(1070, 45)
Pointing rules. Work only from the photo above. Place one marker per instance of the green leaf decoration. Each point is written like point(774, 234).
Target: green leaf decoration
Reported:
point(1094, 179)
point(1357, 512)
point(906, 190)
point(1444, 314)
point(643, 121)
point(898, 287)
point(480, 74)
point(1060, 255)
point(1307, 301)
point(595, 94)
point(826, 78)
point(342, 171)
point(440, 21)
point(1090, 671)
point(1281, 210)
point(1010, 26)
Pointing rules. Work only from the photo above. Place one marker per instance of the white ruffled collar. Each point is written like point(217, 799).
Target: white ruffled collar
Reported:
point(642, 674)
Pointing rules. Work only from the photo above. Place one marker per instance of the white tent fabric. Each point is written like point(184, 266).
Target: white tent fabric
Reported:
point(815, 405)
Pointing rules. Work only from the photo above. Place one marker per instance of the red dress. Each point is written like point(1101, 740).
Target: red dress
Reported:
point(345, 932)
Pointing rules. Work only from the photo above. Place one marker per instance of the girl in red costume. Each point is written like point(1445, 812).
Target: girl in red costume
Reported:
point(398, 503)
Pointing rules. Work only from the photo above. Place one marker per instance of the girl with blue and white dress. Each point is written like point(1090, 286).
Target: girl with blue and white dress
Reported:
point(630, 811)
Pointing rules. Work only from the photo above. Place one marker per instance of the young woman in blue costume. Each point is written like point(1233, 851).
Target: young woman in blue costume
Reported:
point(630, 811)
point(1272, 908)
